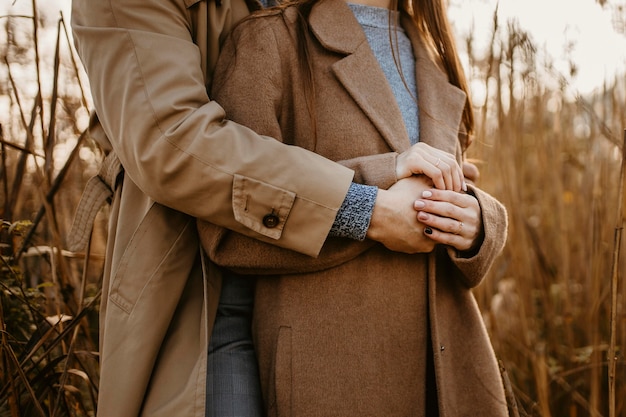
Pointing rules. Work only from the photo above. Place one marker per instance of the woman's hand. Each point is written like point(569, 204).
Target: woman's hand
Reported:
point(441, 167)
point(452, 218)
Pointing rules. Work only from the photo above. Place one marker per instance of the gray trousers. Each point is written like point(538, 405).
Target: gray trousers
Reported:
point(233, 386)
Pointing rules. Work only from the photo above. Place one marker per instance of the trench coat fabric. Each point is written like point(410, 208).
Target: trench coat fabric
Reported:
point(150, 65)
point(349, 336)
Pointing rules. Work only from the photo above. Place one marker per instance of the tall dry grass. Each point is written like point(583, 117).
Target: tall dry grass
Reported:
point(555, 163)
point(49, 297)
point(553, 158)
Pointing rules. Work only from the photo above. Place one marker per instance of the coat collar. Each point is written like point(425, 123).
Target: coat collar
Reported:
point(440, 103)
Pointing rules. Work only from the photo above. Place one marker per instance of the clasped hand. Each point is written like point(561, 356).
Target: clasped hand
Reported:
point(427, 205)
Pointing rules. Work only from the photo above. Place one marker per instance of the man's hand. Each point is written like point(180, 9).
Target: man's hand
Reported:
point(394, 219)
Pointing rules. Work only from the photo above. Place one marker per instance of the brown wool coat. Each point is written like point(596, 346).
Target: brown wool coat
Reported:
point(149, 64)
point(347, 334)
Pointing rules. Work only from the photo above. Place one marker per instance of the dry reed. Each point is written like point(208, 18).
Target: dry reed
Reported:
point(555, 163)
point(548, 301)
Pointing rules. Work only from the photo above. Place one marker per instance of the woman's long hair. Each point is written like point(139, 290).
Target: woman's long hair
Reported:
point(432, 20)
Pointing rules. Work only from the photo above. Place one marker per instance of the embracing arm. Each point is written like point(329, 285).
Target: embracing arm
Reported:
point(393, 211)
point(148, 82)
point(250, 83)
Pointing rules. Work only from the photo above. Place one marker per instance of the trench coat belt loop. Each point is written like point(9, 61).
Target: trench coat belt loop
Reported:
point(98, 190)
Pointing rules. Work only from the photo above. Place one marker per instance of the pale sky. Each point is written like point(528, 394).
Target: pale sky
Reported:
point(598, 50)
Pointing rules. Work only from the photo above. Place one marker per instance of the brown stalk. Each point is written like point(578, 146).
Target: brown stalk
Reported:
point(51, 138)
point(621, 217)
point(38, 61)
point(46, 198)
point(29, 144)
point(5, 373)
point(72, 347)
point(22, 375)
point(4, 176)
point(58, 180)
point(18, 147)
point(75, 66)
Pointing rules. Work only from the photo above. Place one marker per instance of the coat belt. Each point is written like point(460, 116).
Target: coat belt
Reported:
point(98, 190)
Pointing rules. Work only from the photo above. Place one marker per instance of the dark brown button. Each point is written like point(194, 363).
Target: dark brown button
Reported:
point(271, 220)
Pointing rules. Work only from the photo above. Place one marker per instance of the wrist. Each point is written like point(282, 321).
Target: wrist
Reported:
point(379, 215)
point(354, 215)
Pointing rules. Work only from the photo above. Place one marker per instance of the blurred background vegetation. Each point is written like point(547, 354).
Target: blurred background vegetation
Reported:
point(552, 156)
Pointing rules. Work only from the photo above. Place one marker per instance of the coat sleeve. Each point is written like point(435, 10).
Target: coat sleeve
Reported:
point(148, 82)
point(495, 223)
point(250, 83)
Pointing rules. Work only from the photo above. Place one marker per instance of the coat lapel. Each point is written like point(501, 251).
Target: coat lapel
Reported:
point(334, 25)
point(440, 103)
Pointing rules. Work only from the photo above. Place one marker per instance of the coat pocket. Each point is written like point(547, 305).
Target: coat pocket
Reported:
point(280, 393)
point(154, 251)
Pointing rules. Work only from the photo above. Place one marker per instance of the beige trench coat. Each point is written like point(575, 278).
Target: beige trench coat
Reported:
point(346, 334)
point(149, 64)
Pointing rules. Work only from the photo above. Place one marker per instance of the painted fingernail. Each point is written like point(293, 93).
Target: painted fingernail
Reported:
point(428, 231)
point(419, 204)
point(427, 194)
point(464, 186)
